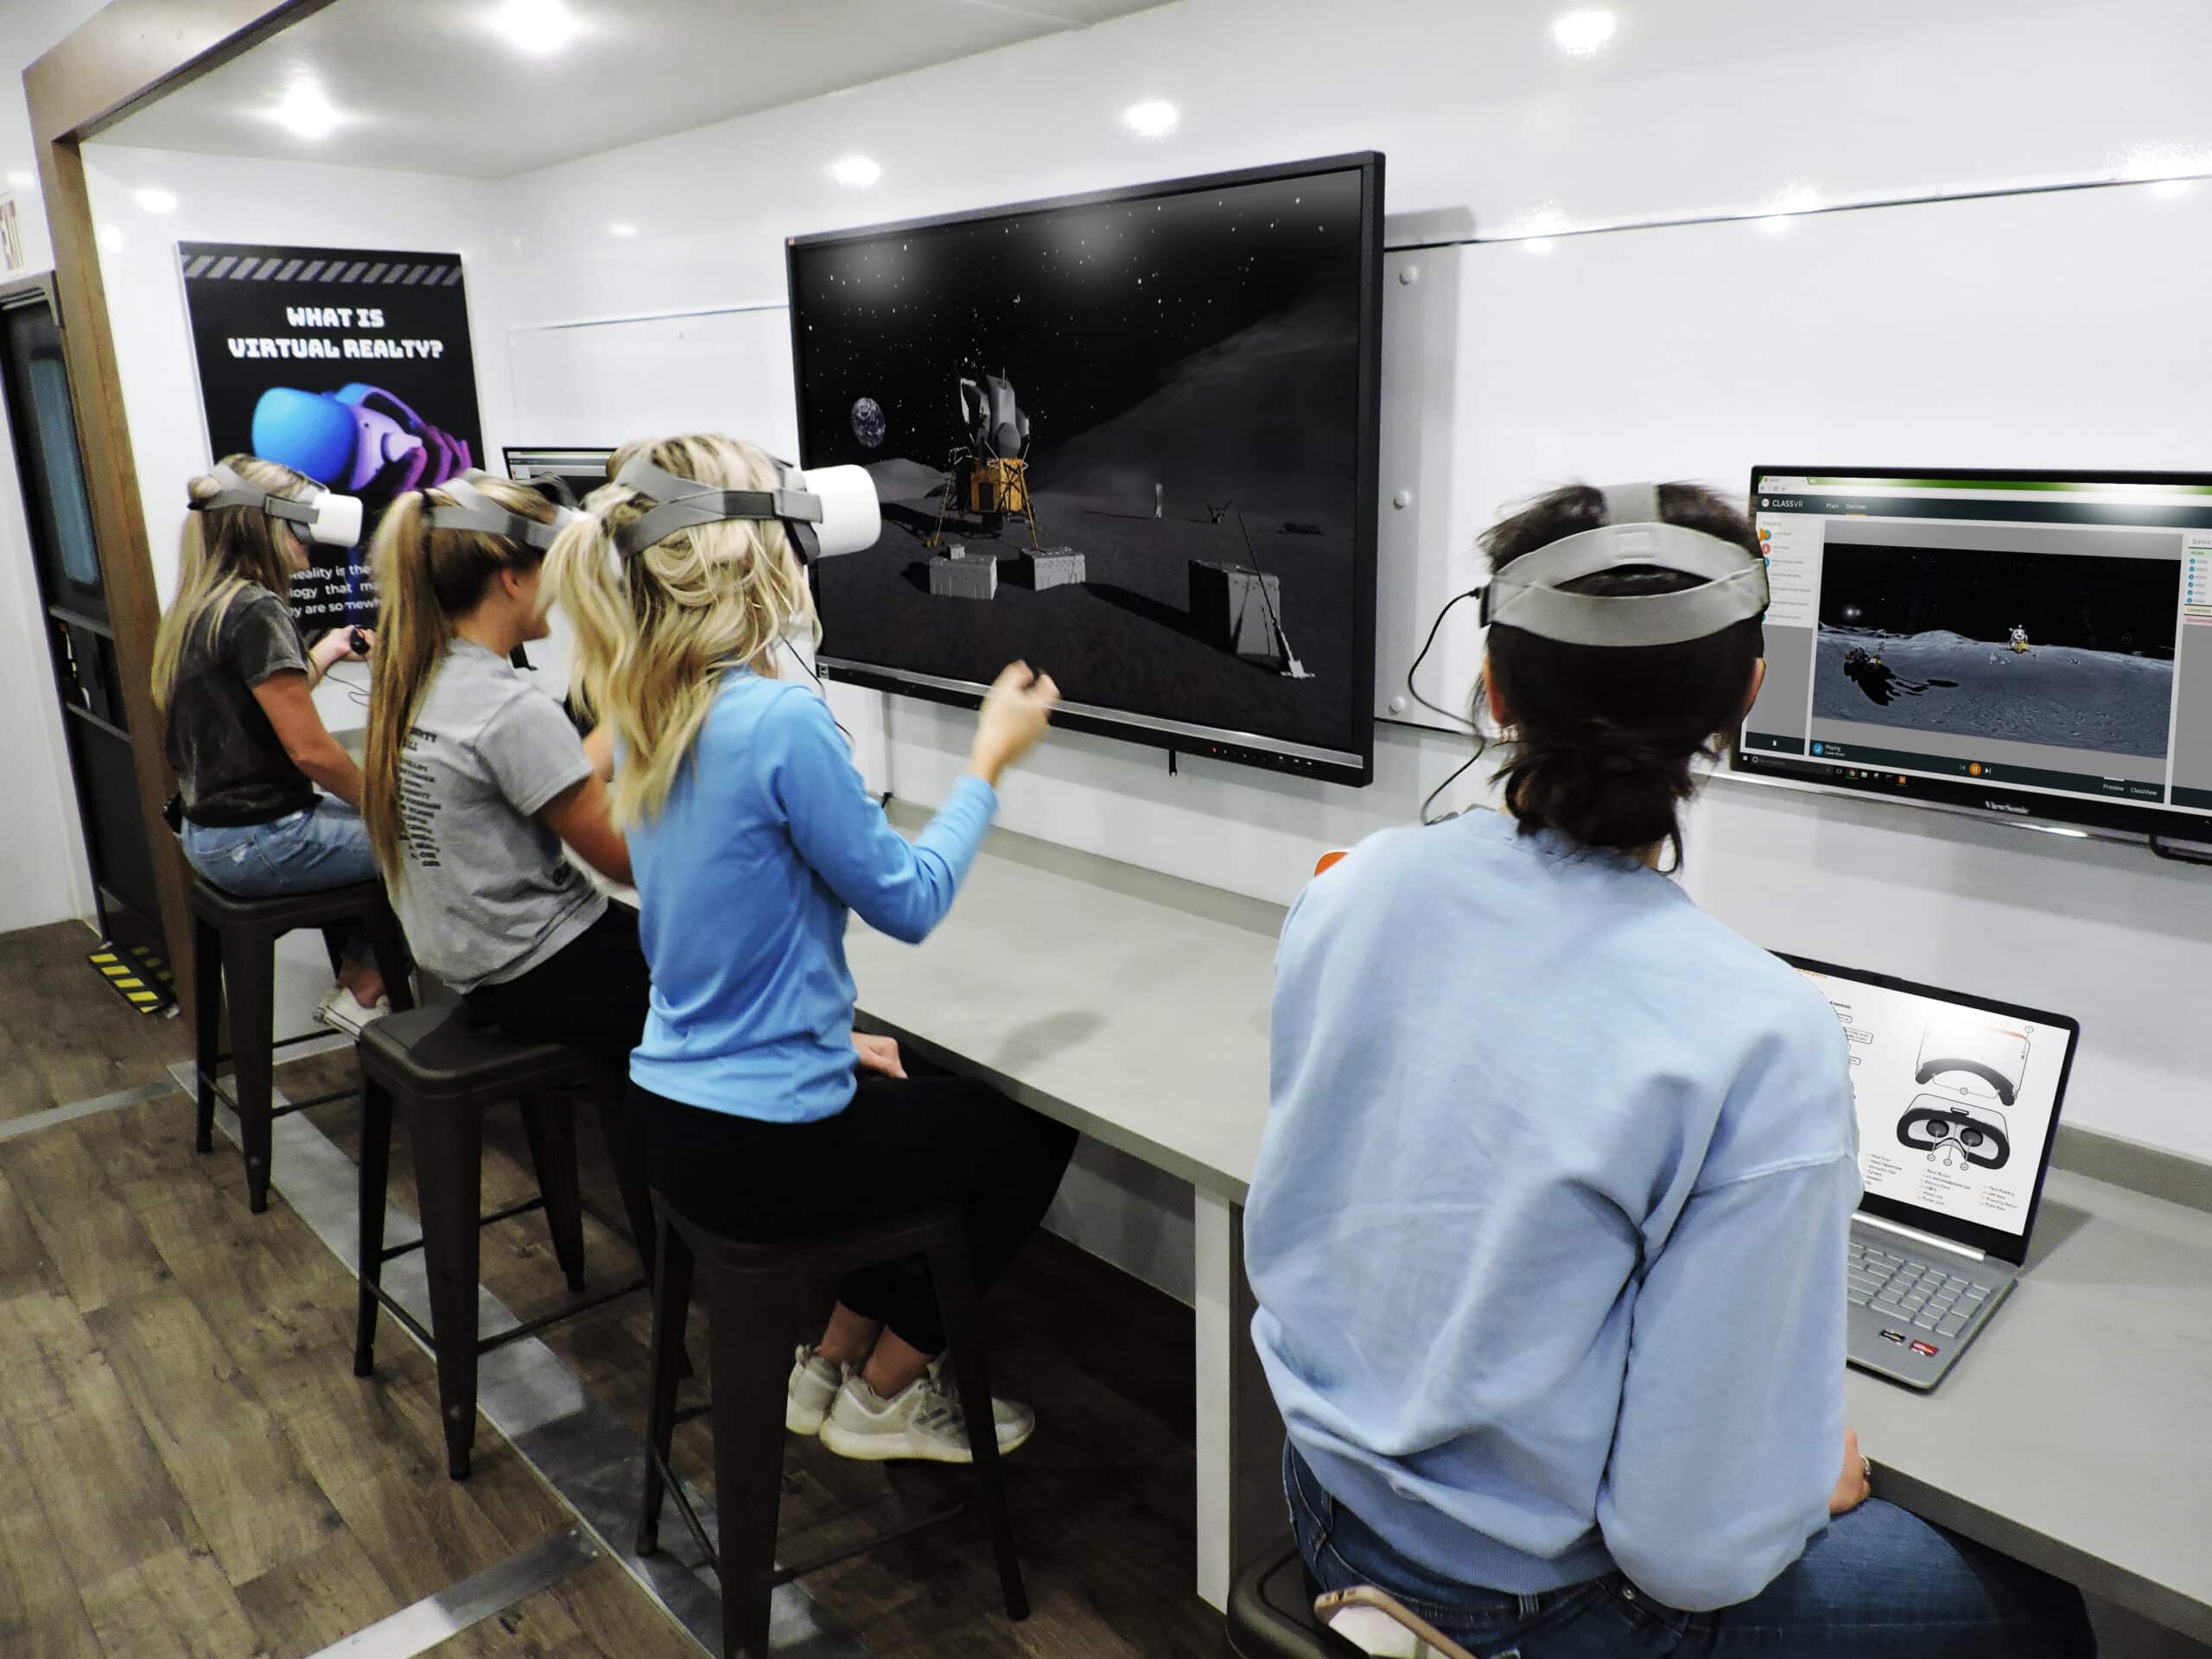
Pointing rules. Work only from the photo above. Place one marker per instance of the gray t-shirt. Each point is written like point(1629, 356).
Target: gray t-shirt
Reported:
point(223, 751)
point(486, 894)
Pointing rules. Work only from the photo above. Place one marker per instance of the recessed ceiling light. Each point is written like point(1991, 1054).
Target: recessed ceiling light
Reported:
point(21, 178)
point(1537, 245)
point(622, 227)
point(111, 239)
point(538, 27)
point(306, 111)
point(856, 172)
point(2167, 189)
point(1582, 34)
point(1153, 118)
point(154, 199)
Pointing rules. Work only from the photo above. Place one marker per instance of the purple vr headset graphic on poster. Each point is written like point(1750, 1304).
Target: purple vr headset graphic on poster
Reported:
point(350, 367)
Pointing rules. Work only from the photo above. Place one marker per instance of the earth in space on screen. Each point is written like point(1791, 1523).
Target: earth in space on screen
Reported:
point(2066, 650)
point(1119, 442)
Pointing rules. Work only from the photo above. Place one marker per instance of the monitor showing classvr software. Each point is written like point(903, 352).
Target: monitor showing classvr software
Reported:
point(1130, 438)
point(2039, 644)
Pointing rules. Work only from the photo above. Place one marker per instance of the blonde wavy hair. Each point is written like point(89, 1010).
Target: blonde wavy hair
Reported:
point(222, 551)
point(427, 581)
point(656, 634)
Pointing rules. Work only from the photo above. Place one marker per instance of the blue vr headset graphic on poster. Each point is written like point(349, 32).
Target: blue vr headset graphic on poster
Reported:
point(352, 367)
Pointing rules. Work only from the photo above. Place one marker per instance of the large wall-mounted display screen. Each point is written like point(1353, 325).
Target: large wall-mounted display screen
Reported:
point(1129, 438)
point(2039, 644)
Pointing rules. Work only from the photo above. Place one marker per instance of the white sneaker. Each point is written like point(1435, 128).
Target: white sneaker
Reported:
point(345, 1012)
point(922, 1423)
point(814, 1385)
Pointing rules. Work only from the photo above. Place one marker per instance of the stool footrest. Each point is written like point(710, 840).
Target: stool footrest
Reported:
point(498, 1339)
point(875, 1540)
point(507, 1214)
point(531, 1328)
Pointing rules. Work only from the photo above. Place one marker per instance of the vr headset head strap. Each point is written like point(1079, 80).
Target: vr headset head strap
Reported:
point(1531, 592)
point(685, 503)
point(473, 510)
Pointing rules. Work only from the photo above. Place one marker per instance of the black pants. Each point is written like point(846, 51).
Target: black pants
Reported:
point(901, 1146)
point(591, 995)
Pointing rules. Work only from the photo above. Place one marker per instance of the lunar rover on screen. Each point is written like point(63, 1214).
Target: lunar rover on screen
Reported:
point(988, 475)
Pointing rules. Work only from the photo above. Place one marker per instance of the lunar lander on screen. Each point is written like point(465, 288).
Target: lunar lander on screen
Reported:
point(988, 475)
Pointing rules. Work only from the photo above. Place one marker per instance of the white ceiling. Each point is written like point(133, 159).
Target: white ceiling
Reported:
point(433, 87)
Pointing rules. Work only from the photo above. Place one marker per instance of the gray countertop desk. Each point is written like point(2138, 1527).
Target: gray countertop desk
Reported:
point(2077, 1434)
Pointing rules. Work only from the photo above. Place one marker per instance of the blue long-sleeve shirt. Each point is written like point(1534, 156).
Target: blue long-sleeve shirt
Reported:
point(744, 877)
point(1548, 1230)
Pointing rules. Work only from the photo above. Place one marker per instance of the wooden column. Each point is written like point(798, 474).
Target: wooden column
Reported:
point(126, 56)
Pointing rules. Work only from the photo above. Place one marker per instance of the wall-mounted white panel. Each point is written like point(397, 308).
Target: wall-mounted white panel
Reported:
point(2063, 330)
point(608, 382)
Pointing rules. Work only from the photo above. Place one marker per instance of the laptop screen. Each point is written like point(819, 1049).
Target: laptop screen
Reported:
point(1958, 1100)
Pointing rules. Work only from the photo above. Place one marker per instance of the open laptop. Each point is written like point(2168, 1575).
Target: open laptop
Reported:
point(1958, 1102)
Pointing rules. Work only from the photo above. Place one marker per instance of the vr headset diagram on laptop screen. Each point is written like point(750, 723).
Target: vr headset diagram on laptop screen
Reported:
point(1955, 1104)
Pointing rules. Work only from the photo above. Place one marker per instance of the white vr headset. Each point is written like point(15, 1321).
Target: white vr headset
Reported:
point(473, 510)
point(828, 511)
point(330, 519)
point(1530, 594)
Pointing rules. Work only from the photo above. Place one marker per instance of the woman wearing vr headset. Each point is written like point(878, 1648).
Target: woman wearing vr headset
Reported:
point(754, 837)
point(232, 677)
point(1551, 1292)
point(476, 778)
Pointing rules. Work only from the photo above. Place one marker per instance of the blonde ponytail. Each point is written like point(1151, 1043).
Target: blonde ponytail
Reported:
point(220, 552)
point(656, 634)
point(427, 580)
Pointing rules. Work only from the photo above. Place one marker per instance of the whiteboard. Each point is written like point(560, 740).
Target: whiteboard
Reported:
point(2066, 330)
point(606, 383)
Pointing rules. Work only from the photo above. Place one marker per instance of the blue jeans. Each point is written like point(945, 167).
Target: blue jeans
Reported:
point(1878, 1584)
point(326, 846)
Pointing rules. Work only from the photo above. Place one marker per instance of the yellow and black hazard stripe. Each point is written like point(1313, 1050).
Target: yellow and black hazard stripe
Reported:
point(137, 975)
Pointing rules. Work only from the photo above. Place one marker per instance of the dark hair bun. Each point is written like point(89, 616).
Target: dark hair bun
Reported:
point(1602, 737)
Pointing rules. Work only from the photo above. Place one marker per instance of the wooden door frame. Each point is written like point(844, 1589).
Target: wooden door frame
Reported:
point(126, 56)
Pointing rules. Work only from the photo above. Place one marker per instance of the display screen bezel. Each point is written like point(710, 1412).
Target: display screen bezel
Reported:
point(1994, 800)
point(1991, 1241)
point(1354, 765)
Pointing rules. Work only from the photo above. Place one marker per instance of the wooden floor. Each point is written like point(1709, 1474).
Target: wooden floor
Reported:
point(188, 1465)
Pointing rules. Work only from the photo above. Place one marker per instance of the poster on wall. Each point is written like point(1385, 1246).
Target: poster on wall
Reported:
point(350, 367)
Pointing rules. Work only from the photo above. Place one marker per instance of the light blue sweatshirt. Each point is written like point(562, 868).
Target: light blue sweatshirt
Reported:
point(1548, 1227)
point(746, 876)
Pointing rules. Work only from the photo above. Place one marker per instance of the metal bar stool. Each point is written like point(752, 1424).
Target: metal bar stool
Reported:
point(751, 1286)
point(1271, 1617)
point(443, 1072)
point(234, 948)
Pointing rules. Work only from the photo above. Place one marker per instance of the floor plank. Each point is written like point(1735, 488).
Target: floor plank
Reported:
point(308, 1603)
point(64, 1035)
point(176, 1603)
point(41, 1617)
point(78, 1435)
point(97, 1245)
point(254, 1501)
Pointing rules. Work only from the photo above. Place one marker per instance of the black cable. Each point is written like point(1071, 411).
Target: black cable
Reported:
point(358, 690)
point(1427, 646)
point(818, 686)
point(1458, 772)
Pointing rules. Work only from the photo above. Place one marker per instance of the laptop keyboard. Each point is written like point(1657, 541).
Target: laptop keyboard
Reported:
point(1928, 1295)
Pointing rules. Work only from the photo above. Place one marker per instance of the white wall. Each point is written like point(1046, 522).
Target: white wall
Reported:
point(1696, 109)
point(43, 874)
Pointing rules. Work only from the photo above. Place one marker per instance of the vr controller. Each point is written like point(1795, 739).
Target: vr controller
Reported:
point(355, 436)
point(1932, 1123)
